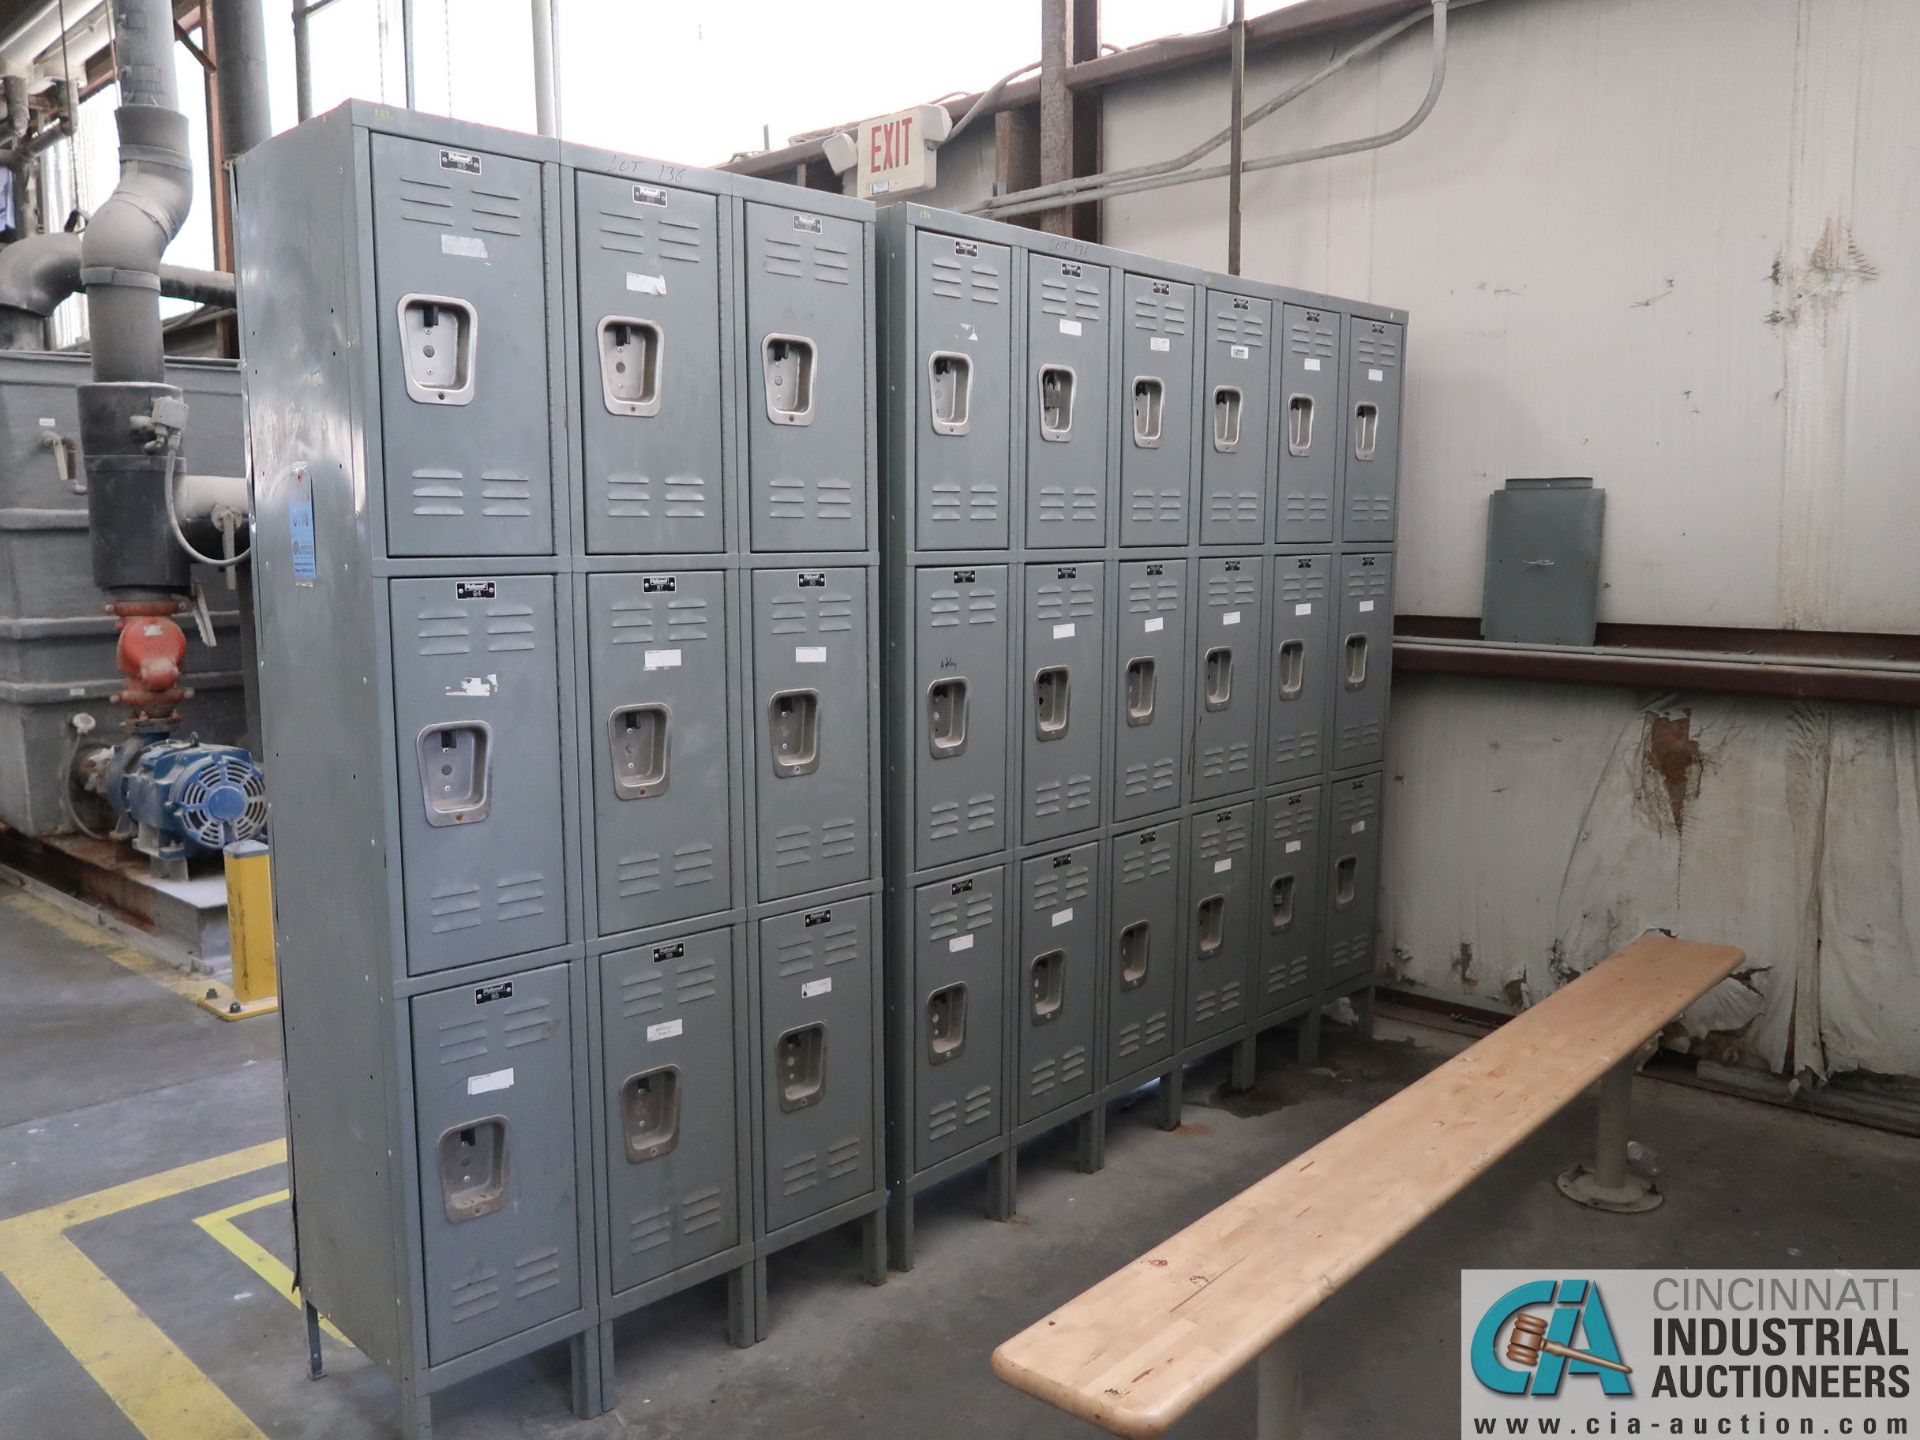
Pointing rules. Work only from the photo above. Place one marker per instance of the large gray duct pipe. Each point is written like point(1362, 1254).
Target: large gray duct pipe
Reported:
point(240, 74)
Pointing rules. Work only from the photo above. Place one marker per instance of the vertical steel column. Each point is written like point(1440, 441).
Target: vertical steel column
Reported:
point(302, 64)
point(1237, 142)
point(1277, 1414)
point(546, 106)
point(1056, 106)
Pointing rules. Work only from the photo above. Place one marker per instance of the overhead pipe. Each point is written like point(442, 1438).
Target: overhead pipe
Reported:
point(37, 273)
point(546, 107)
point(240, 75)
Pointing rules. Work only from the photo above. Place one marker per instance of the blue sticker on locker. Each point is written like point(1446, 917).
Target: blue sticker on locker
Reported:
point(300, 526)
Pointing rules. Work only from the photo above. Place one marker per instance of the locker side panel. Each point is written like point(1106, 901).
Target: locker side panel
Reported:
point(1156, 429)
point(460, 289)
point(477, 736)
point(1289, 902)
point(1066, 393)
point(650, 357)
point(959, 974)
point(1066, 610)
point(1143, 948)
point(1218, 922)
point(1226, 675)
point(1353, 876)
point(1310, 425)
point(1363, 667)
point(963, 376)
point(1299, 667)
point(1372, 458)
point(1237, 397)
point(1059, 963)
point(1150, 690)
point(962, 628)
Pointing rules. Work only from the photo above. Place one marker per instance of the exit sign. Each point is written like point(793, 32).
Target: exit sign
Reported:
point(895, 153)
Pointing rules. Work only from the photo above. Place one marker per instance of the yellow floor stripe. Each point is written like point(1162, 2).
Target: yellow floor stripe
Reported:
point(176, 1181)
point(255, 1256)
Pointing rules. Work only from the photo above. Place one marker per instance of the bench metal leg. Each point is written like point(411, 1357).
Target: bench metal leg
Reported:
point(1277, 1374)
point(316, 1365)
point(1608, 1185)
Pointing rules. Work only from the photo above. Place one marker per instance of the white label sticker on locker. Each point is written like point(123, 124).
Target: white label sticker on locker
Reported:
point(1061, 917)
point(1306, 609)
point(809, 654)
point(492, 1080)
point(1232, 617)
point(1160, 342)
point(1376, 376)
point(1366, 607)
point(816, 987)
point(646, 284)
point(1063, 632)
point(1238, 352)
point(1069, 327)
point(471, 246)
point(1312, 364)
point(959, 943)
point(662, 659)
point(665, 1030)
point(1221, 867)
point(1358, 826)
point(1292, 845)
point(1157, 623)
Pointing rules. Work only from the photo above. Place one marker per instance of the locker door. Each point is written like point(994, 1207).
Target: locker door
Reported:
point(1299, 666)
point(1353, 877)
point(1218, 948)
point(493, 1117)
point(816, 977)
point(1363, 662)
point(1150, 690)
point(1059, 957)
point(1310, 430)
point(810, 727)
point(1156, 426)
point(1226, 675)
point(960, 696)
point(650, 411)
point(1289, 901)
point(964, 304)
point(1061, 711)
point(808, 393)
point(460, 286)
point(658, 729)
point(1237, 410)
point(1143, 949)
point(1067, 392)
point(1372, 445)
point(669, 1019)
point(477, 739)
point(959, 991)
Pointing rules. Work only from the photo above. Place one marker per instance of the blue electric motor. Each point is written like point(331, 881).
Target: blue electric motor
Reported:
point(183, 798)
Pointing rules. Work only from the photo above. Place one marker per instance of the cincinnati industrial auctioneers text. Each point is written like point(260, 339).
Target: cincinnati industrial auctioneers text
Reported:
point(1820, 1336)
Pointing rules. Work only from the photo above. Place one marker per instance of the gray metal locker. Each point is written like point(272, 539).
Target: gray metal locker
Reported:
point(1353, 876)
point(1288, 901)
point(1156, 428)
point(810, 656)
point(1065, 685)
point(657, 726)
point(1299, 667)
point(1237, 410)
point(1218, 948)
point(807, 393)
point(817, 1102)
point(650, 360)
point(1057, 992)
point(1226, 674)
point(670, 1028)
point(461, 292)
point(1150, 688)
point(964, 319)
point(1310, 428)
point(959, 991)
point(1143, 948)
point(477, 734)
point(961, 630)
point(1067, 390)
point(493, 1113)
point(1363, 663)
point(1372, 443)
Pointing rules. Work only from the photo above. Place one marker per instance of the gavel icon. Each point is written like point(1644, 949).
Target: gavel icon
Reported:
point(1528, 1342)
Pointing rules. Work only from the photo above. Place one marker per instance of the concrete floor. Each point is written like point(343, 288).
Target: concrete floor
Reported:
point(105, 1078)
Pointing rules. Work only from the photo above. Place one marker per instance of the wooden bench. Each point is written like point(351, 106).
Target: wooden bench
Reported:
point(1141, 1348)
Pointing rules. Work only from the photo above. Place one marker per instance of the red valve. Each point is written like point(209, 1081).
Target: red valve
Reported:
point(149, 654)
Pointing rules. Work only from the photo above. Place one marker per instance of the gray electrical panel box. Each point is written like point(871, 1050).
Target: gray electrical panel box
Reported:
point(1543, 562)
point(566, 529)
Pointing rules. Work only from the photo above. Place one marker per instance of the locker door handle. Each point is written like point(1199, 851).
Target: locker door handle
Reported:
point(1052, 698)
point(1212, 927)
point(793, 730)
point(1136, 953)
point(1047, 985)
point(632, 356)
point(1346, 876)
point(650, 1113)
point(1056, 402)
point(456, 772)
point(950, 391)
point(1366, 429)
point(1219, 677)
point(1356, 654)
point(946, 1024)
point(1140, 691)
point(787, 364)
point(1293, 668)
point(637, 742)
point(437, 338)
point(947, 718)
point(800, 1066)
point(1299, 424)
point(1226, 418)
point(1149, 403)
point(1280, 916)
point(473, 1168)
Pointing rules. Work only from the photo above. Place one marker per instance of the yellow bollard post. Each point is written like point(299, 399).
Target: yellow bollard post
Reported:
point(256, 983)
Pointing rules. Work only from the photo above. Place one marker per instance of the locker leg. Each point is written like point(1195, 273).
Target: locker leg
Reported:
point(589, 1356)
point(900, 1229)
point(316, 1365)
point(873, 1247)
point(1093, 1140)
point(416, 1411)
point(1307, 1037)
point(742, 1310)
point(762, 1312)
point(1242, 1076)
point(1173, 1087)
point(1002, 1178)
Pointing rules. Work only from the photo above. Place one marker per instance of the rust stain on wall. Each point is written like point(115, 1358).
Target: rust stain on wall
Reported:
point(1671, 763)
point(1463, 967)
